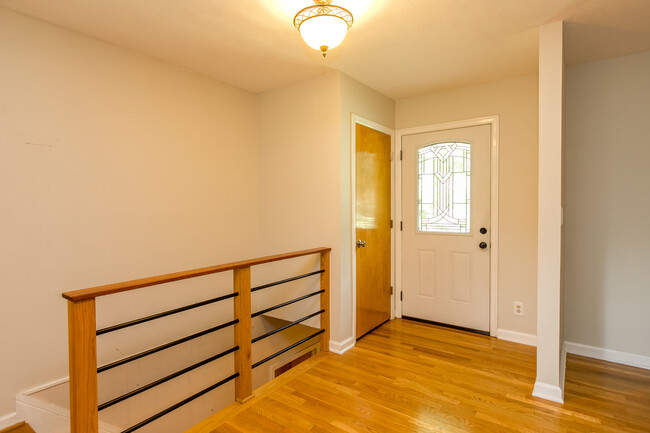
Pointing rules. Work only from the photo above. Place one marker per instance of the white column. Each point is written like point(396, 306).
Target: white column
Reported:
point(550, 366)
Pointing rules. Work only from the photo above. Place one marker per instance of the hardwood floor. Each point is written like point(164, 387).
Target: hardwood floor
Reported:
point(413, 377)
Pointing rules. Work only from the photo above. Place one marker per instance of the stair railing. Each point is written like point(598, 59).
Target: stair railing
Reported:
point(83, 332)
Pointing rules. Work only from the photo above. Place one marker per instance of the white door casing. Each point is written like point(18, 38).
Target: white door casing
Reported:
point(446, 276)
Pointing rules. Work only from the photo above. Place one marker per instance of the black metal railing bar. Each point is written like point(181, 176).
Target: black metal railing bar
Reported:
point(164, 314)
point(268, 358)
point(289, 325)
point(164, 346)
point(284, 304)
point(165, 379)
point(277, 283)
point(179, 404)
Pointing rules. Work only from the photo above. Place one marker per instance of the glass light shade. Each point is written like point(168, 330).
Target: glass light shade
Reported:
point(323, 31)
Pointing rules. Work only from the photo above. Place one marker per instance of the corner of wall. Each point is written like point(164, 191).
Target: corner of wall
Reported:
point(9, 419)
point(517, 337)
point(609, 355)
point(340, 347)
point(549, 392)
point(550, 378)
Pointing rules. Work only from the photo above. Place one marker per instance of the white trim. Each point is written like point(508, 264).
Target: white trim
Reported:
point(494, 223)
point(45, 386)
point(354, 120)
point(608, 355)
point(493, 121)
point(548, 392)
point(517, 337)
point(340, 347)
point(47, 417)
point(30, 407)
point(398, 222)
point(9, 420)
point(21, 399)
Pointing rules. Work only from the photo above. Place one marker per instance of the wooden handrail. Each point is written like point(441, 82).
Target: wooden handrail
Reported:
point(83, 342)
point(109, 289)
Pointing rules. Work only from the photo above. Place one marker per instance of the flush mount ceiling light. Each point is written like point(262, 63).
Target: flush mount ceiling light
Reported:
point(323, 26)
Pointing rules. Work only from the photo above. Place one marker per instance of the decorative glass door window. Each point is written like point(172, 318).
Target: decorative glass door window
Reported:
point(444, 188)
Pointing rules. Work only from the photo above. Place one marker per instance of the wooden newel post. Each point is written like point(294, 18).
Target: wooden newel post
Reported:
point(82, 347)
point(325, 301)
point(243, 365)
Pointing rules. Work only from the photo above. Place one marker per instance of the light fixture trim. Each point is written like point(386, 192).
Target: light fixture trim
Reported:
point(322, 9)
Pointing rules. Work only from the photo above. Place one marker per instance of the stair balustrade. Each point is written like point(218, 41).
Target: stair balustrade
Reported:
point(83, 333)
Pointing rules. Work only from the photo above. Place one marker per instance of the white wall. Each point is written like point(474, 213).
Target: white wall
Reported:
point(515, 101)
point(112, 166)
point(549, 383)
point(304, 136)
point(298, 170)
point(607, 248)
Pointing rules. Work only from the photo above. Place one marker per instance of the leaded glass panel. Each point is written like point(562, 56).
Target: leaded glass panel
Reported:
point(444, 188)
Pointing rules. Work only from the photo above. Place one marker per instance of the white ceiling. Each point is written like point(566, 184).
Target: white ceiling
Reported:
point(400, 48)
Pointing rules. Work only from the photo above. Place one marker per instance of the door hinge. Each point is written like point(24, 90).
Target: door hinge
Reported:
point(401, 296)
point(391, 290)
point(400, 155)
point(391, 224)
point(391, 156)
point(401, 225)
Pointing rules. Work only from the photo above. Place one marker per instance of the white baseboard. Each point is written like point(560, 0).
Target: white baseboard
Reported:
point(608, 355)
point(9, 420)
point(548, 392)
point(42, 419)
point(517, 337)
point(340, 347)
point(45, 386)
point(46, 417)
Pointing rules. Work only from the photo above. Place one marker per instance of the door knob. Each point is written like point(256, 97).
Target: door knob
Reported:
point(482, 245)
point(483, 230)
point(361, 243)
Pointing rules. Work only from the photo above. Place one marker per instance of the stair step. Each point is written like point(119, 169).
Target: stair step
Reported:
point(21, 427)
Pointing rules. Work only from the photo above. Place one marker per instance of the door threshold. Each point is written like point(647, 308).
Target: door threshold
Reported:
point(445, 325)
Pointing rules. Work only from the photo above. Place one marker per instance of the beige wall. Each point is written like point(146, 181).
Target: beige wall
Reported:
point(112, 166)
point(304, 172)
point(299, 174)
point(116, 166)
point(607, 245)
point(515, 101)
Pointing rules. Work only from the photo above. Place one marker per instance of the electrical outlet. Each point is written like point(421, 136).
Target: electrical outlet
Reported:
point(518, 308)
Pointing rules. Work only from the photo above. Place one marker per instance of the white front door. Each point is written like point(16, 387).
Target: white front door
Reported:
point(446, 218)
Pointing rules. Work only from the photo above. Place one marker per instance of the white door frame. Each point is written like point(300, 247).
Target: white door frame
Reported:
point(493, 121)
point(354, 120)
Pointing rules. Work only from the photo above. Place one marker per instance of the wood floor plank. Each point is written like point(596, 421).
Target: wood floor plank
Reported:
point(409, 377)
point(21, 427)
point(423, 390)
